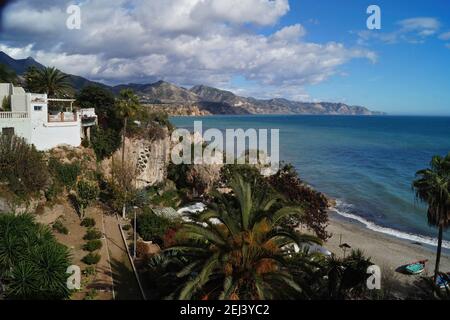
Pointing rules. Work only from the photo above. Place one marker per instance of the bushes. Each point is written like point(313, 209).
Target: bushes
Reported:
point(23, 168)
point(87, 191)
point(91, 258)
point(93, 245)
point(152, 227)
point(104, 142)
point(66, 173)
point(93, 234)
point(88, 222)
point(60, 227)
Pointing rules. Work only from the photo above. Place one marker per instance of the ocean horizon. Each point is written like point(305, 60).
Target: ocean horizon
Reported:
point(366, 163)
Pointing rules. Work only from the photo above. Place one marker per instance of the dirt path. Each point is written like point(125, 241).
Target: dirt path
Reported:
point(125, 284)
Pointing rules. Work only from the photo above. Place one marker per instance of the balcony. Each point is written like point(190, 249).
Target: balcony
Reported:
point(13, 115)
point(62, 117)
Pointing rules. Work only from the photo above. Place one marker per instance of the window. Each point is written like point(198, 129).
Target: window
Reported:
point(8, 131)
point(37, 108)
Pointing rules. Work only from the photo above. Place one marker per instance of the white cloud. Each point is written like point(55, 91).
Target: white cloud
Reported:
point(413, 30)
point(185, 41)
point(445, 36)
point(423, 26)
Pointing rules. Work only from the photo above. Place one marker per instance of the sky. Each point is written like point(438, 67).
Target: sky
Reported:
point(307, 50)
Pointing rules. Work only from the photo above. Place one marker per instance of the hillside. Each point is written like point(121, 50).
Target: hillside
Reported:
point(206, 99)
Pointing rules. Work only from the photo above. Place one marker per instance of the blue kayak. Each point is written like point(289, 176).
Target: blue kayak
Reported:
point(416, 267)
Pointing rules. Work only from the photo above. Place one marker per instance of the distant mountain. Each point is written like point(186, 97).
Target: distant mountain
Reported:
point(208, 99)
point(277, 106)
point(20, 66)
point(160, 92)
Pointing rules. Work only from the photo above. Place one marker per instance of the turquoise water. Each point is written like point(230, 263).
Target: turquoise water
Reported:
point(366, 163)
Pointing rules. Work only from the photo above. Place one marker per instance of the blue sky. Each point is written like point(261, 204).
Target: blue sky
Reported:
point(311, 50)
point(408, 78)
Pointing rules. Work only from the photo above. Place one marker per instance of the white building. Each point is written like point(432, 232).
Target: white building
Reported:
point(28, 116)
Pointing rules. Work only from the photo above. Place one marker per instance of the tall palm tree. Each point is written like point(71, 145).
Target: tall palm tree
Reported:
point(244, 253)
point(128, 106)
point(48, 80)
point(432, 186)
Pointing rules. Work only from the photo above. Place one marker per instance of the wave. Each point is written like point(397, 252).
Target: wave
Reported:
point(389, 231)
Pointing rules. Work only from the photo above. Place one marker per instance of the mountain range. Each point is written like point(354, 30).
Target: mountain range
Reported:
point(208, 99)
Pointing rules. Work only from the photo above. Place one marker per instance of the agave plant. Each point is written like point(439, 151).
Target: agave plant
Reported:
point(32, 264)
point(238, 249)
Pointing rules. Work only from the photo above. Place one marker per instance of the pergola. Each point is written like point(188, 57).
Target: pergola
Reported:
point(70, 101)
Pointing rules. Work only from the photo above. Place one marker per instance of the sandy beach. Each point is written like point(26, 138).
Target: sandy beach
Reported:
point(387, 252)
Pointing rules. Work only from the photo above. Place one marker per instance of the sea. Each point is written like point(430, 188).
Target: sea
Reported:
point(366, 163)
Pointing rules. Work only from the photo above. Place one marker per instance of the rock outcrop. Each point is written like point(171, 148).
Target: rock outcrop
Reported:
point(149, 158)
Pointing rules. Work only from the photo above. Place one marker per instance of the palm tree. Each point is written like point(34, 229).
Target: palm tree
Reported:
point(128, 106)
point(48, 80)
point(244, 253)
point(433, 187)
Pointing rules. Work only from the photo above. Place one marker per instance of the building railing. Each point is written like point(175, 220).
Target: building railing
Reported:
point(63, 117)
point(13, 115)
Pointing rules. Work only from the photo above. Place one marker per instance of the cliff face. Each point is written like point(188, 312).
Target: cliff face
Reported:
point(147, 158)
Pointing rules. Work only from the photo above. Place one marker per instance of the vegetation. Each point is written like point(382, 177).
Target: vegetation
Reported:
point(93, 234)
point(91, 258)
point(432, 186)
point(295, 191)
point(23, 167)
point(48, 80)
point(87, 192)
point(105, 139)
point(152, 227)
point(65, 173)
point(243, 257)
point(93, 245)
point(102, 100)
point(32, 263)
point(104, 142)
point(6, 104)
point(60, 227)
point(88, 222)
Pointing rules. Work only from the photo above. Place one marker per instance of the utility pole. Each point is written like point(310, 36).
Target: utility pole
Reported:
point(135, 232)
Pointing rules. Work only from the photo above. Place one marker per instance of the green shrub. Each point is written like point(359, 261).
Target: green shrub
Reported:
point(93, 245)
point(93, 234)
point(22, 167)
point(88, 222)
point(60, 227)
point(104, 142)
point(66, 173)
point(87, 191)
point(126, 227)
point(91, 258)
point(152, 227)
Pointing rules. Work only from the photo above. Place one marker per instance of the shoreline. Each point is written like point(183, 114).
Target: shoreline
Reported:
point(386, 251)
